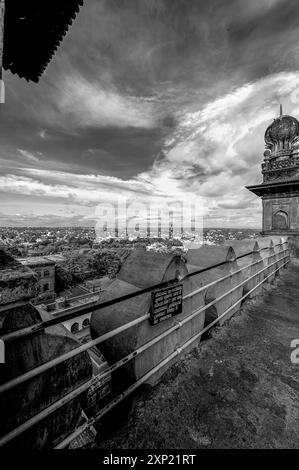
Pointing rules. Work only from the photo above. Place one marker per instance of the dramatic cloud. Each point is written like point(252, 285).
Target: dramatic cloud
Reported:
point(28, 155)
point(149, 100)
point(88, 104)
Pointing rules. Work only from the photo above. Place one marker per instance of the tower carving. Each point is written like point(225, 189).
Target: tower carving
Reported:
point(279, 189)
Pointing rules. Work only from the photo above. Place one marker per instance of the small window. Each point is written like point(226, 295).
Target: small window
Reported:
point(85, 323)
point(75, 328)
point(46, 273)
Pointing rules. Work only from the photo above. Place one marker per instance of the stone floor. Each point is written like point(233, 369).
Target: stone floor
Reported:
point(236, 390)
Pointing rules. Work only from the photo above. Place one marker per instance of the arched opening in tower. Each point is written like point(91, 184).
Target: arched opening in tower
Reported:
point(280, 220)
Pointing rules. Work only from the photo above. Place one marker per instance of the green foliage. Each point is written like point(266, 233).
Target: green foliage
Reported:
point(76, 268)
point(63, 279)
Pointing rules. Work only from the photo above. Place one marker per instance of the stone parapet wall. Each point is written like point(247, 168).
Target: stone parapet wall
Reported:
point(210, 296)
point(236, 275)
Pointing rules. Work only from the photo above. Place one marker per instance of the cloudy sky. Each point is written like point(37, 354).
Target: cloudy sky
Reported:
point(149, 99)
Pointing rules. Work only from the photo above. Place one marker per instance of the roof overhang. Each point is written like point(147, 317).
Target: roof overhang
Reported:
point(33, 31)
point(275, 188)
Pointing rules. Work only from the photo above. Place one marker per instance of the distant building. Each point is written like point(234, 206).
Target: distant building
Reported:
point(280, 187)
point(45, 270)
point(18, 283)
point(79, 326)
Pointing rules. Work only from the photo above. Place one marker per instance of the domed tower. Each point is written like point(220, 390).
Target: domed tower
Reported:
point(279, 190)
point(281, 137)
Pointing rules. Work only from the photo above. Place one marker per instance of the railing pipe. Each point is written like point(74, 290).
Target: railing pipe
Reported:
point(88, 309)
point(54, 362)
point(143, 379)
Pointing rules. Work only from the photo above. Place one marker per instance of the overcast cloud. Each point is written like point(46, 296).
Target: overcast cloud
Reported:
point(147, 99)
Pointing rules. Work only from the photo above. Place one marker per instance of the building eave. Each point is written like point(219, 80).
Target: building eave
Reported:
point(277, 187)
point(33, 31)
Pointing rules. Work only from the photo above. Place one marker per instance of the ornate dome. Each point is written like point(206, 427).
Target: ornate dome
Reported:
point(283, 128)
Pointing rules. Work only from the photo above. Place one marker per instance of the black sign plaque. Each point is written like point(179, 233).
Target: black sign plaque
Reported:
point(166, 303)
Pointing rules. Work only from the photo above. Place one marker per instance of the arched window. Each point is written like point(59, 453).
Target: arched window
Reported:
point(75, 328)
point(85, 323)
point(280, 220)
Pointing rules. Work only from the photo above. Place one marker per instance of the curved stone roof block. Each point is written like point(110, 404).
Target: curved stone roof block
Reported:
point(146, 268)
point(141, 269)
point(41, 391)
point(267, 255)
point(280, 245)
point(210, 255)
point(243, 247)
point(109, 318)
point(276, 240)
point(250, 260)
point(265, 242)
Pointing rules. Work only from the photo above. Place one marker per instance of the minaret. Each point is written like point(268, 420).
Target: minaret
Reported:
point(279, 190)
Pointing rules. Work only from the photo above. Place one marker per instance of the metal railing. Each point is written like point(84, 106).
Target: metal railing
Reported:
point(178, 324)
point(54, 362)
point(69, 315)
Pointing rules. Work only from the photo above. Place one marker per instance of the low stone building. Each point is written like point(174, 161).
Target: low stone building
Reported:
point(45, 271)
point(18, 283)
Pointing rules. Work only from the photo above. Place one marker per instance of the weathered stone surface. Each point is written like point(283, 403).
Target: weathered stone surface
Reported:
point(141, 269)
point(250, 251)
point(145, 268)
point(208, 256)
point(26, 400)
point(238, 390)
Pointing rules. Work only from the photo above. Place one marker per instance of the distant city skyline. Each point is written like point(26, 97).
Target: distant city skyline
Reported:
point(91, 227)
point(150, 99)
point(25, 241)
